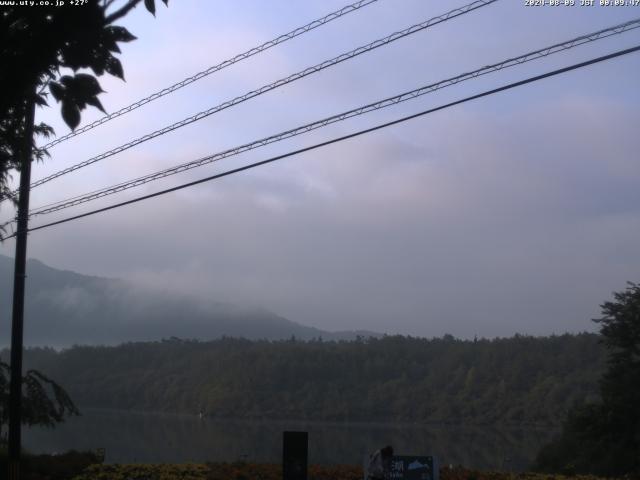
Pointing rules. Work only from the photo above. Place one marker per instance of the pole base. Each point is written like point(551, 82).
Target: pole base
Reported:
point(14, 470)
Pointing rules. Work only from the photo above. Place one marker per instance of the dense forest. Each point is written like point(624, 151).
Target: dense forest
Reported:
point(519, 380)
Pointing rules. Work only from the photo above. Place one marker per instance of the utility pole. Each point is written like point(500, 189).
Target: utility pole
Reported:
point(17, 320)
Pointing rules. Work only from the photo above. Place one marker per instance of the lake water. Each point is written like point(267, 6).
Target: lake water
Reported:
point(166, 438)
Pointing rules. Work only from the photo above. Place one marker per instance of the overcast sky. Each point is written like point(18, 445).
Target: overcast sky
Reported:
point(519, 212)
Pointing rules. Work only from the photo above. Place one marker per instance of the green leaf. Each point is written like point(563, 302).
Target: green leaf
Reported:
point(40, 101)
point(114, 67)
point(86, 85)
point(99, 62)
point(56, 90)
point(67, 81)
point(119, 34)
point(70, 114)
point(151, 6)
point(113, 47)
point(77, 55)
point(43, 129)
point(93, 101)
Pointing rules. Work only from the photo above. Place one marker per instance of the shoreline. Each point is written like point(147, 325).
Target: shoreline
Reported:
point(338, 423)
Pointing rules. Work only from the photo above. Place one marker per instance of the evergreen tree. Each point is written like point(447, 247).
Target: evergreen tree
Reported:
point(604, 437)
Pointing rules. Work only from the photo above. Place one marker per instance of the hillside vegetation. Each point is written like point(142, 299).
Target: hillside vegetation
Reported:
point(519, 380)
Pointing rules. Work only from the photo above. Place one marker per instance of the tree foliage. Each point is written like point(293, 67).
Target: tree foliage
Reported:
point(604, 437)
point(520, 380)
point(49, 49)
point(44, 402)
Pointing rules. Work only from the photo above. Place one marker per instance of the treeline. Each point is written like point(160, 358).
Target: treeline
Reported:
point(519, 380)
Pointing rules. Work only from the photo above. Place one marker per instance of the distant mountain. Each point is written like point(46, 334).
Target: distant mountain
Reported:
point(65, 308)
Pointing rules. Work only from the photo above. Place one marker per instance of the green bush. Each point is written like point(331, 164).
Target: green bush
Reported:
point(50, 467)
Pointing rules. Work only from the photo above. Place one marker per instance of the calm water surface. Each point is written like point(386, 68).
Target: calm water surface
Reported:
point(166, 438)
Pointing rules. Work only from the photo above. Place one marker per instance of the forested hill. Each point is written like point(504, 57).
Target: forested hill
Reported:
point(520, 380)
point(63, 308)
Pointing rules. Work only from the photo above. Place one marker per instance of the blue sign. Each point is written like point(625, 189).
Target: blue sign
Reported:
point(413, 468)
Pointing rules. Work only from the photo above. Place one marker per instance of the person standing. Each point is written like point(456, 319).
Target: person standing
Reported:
point(379, 466)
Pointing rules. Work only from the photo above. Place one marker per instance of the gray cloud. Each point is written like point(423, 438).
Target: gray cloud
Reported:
point(519, 213)
point(476, 234)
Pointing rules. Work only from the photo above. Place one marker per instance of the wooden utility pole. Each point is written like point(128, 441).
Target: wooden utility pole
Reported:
point(17, 320)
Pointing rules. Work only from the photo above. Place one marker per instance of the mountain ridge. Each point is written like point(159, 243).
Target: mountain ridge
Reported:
point(63, 308)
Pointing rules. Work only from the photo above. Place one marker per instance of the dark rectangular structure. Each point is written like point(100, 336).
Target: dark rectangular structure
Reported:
point(295, 451)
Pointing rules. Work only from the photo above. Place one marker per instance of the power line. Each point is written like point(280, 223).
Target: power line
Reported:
point(540, 53)
point(216, 68)
point(345, 137)
point(266, 88)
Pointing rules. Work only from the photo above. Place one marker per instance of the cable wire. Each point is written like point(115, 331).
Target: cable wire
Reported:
point(266, 88)
point(345, 137)
point(540, 53)
point(216, 68)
